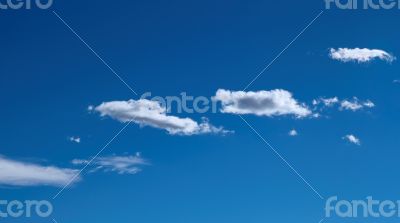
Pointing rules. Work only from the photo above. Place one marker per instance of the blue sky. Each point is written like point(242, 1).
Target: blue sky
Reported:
point(49, 78)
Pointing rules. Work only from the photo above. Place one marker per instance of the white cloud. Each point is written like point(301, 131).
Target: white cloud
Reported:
point(119, 164)
point(348, 105)
point(355, 104)
point(316, 115)
point(352, 139)
point(360, 55)
point(262, 103)
point(293, 132)
point(75, 139)
point(329, 102)
point(369, 104)
point(16, 173)
point(151, 113)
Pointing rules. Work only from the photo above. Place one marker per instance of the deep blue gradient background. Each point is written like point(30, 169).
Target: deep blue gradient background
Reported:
point(48, 78)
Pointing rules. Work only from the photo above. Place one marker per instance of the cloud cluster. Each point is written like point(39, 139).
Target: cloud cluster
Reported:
point(352, 139)
point(17, 173)
point(261, 103)
point(144, 112)
point(150, 113)
point(118, 164)
point(360, 55)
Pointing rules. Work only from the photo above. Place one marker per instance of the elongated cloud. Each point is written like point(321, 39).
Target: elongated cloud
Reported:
point(262, 103)
point(329, 102)
point(120, 164)
point(353, 104)
point(360, 55)
point(150, 113)
point(356, 104)
point(16, 173)
point(352, 139)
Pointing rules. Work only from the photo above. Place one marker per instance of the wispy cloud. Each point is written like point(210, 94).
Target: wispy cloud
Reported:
point(360, 55)
point(151, 113)
point(118, 164)
point(352, 139)
point(353, 104)
point(329, 102)
point(17, 173)
point(75, 139)
point(262, 103)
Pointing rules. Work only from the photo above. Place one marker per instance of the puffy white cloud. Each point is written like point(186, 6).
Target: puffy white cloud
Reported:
point(17, 173)
point(150, 113)
point(119, 164)
point(75, 139)
point(293, 132)
point(262, 103)
point(360, 55)
point(352, 139)
point(356, 104)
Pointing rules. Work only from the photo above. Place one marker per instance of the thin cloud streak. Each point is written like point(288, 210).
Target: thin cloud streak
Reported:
point(18, 173)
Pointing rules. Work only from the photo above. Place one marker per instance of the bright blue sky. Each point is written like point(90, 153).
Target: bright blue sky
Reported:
point(49, 78)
